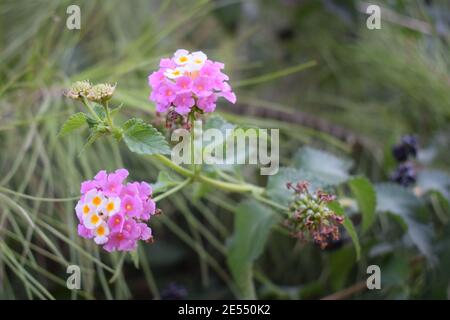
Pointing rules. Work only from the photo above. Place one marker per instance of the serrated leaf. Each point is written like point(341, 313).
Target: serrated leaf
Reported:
point(252, 225)
point(74, 122)
point(100, 111)
point(365, 195)
point(143, 138)
point(348, 225)
point(404, 204)
point(324, 166)
point(164, 182)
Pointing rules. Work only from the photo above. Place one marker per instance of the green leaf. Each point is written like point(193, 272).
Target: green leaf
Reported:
point(100, 111)
point(164, 182)
point(341, 263)
point(116, 110)
point(231, 134)
point(276, 185)
point(91, 139)
point(143, 138)
point(434, 180)
point(348, 225)
point(324, 166)
point(251, 229)
point(404, 204)
point(74, 122)
point(217, 122)
point(364, 193)
point(396, 199)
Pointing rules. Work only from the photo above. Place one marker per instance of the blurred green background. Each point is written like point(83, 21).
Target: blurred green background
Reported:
point(366, 89)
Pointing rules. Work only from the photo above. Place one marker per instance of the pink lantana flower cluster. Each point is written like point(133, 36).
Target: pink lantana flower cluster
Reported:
point(113, 212)
point(187, 80)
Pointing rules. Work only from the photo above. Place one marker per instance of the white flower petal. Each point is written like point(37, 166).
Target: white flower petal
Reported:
point(95, 198)
point(175, 73)
point(112, 206)
point(181, 52)
point(101, 240)
point(199, 56)
point(92, 220)
point(183, 60)
point(193, 67)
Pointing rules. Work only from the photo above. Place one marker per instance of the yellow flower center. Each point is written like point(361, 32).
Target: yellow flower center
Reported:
point(97, 201)
point(110, 206)
point(100, 231)
point(95, 219)
point(183, 59)
point(86, 209)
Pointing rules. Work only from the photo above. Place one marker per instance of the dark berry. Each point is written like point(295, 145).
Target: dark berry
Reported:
point(408, 146)
point(411, 143)
point(404, 175)
point(400, 153)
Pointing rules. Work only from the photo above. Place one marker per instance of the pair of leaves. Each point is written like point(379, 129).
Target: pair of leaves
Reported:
point(252, 224)
point(139, 136)
point(78, 121)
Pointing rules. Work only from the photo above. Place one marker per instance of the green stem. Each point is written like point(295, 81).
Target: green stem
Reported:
point(86, 103)
point(173, 190)
point(175, 167)
point(26, 196)
point(192, 142)
point(119, 266)
point(108, 116)
point(227, 186)
point(270, 202)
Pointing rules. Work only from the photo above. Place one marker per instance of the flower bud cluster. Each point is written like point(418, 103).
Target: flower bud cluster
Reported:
point(310, 217)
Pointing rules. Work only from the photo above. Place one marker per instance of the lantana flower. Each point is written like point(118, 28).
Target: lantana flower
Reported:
point(189, 80)
point(114, 213)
